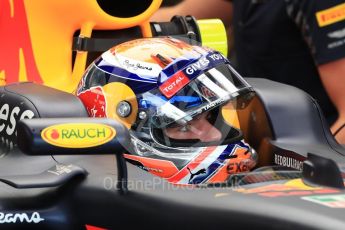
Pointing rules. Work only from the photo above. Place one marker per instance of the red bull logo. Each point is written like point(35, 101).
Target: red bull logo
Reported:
point(36, 42)
point(17, 58)
point(94, 101)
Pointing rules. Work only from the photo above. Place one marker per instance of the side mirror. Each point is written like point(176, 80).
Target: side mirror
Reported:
point(318, 170)
point(76, 136)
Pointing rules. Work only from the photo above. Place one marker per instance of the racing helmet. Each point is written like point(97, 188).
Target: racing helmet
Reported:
point(179, 103)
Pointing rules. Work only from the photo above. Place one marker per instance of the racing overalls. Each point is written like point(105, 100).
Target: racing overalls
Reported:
point(285, 41)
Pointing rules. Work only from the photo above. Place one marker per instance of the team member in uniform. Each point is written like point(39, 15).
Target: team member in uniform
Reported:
point(297, 42)
point(179, 103)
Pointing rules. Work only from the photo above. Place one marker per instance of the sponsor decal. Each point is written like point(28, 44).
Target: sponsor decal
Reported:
point(332, 201)
point(205, 62)
point(136, 65)
point(199, 65)
point(153, 170)
point(337, 34)
point(9, 118)
point(340, 35)
point(331, 15)
point(161, 168)
point(176, 82)
point(145, 70)
point(8, 218)
point(78, 135)
point(216, 56)
point(287, 161)
point(193, 174)
point(238, 167)
point(61, 169)
point(94, 101)
point(8, 121)
point(291, 188)
point(214, 104)
point(336, 44)
point(238, 160)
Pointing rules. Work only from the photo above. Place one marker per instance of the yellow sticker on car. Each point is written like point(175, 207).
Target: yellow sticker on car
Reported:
point(331, 15)
point(78, 135)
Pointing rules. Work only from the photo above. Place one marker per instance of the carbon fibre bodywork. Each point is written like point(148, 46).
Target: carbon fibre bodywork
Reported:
point(283, 129)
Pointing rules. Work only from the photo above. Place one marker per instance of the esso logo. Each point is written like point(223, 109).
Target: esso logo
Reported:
point(9, 118)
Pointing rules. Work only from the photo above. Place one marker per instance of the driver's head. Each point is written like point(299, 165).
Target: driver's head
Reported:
point(172, 97)
point(199, 128)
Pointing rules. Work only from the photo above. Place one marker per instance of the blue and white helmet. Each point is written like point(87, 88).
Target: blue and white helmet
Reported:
point(176, 99)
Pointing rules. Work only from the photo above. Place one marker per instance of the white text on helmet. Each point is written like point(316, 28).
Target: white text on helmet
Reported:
point(216, 57)
point(200, 64)
point(174, 84)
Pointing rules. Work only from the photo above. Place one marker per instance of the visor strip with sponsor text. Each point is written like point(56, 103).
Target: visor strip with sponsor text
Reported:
point(181, 78)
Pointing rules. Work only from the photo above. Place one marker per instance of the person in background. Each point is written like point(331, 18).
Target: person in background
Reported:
point(221, 9)
point(296, 42)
